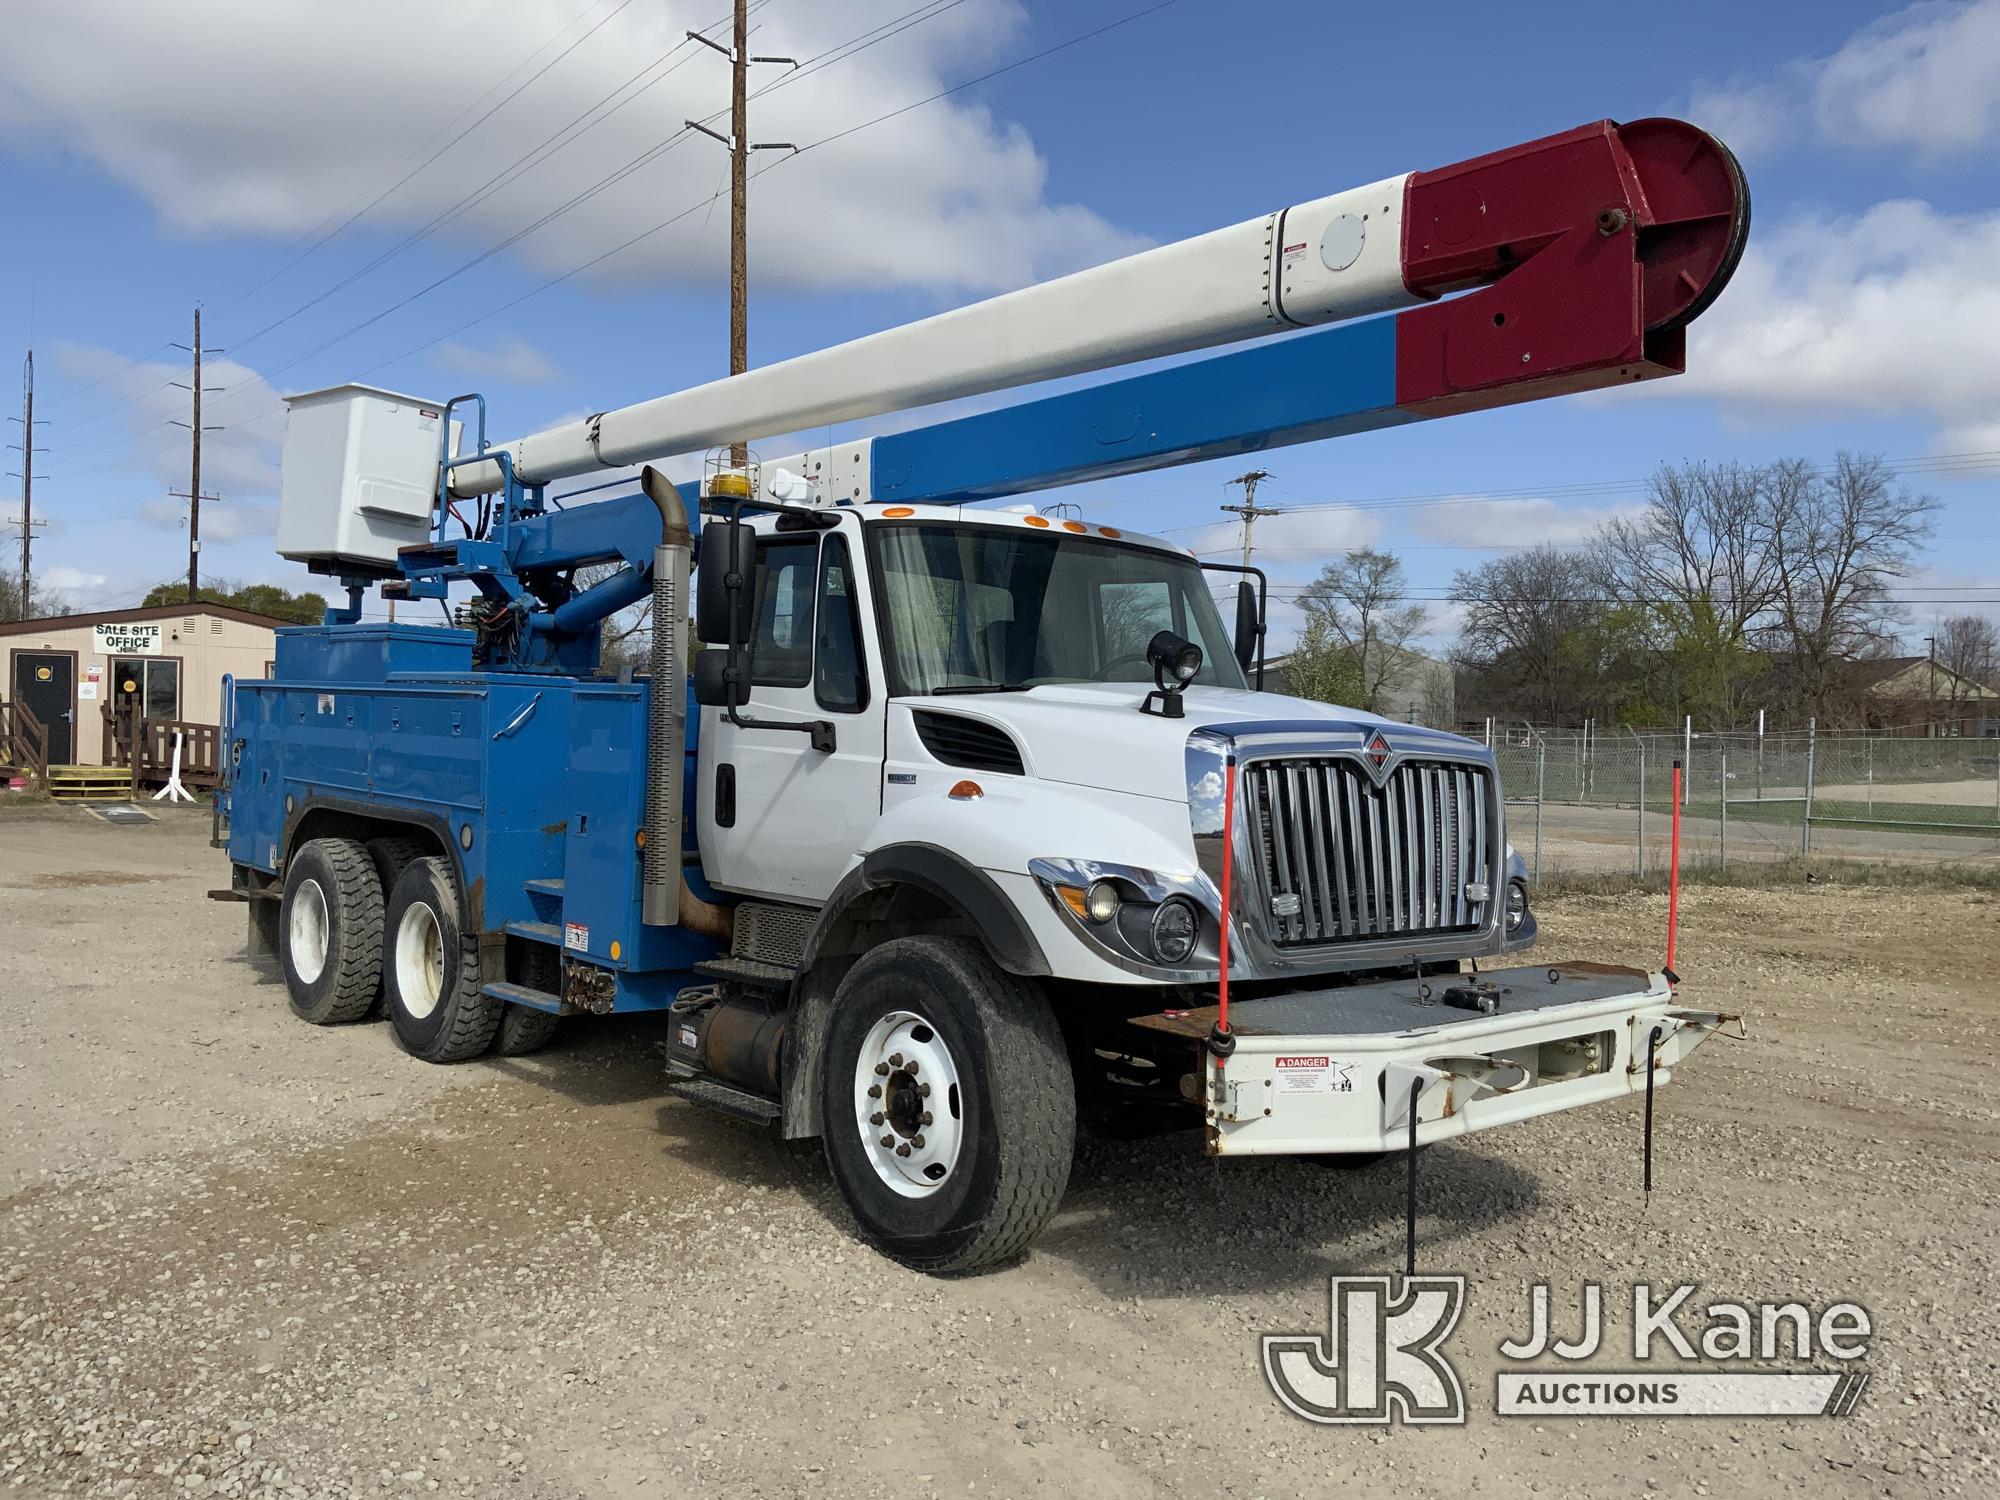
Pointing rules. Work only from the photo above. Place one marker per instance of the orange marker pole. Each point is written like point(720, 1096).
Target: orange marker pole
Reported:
point(1674, 880)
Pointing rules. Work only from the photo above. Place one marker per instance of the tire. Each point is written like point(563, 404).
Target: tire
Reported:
point(430, 968)
point(330, 931)
point(523, 1029)
point(390, 854)
point(988, 1176)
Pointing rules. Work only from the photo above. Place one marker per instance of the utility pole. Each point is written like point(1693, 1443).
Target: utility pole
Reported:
point(193, 495)
point(28, 450)
point(1250, 510)
point(740, 146)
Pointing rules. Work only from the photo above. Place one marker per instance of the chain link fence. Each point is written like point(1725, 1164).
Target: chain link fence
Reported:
point(1594, 802)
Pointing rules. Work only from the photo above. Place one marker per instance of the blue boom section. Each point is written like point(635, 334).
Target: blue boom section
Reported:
point(534, 782)
point(1295, 390)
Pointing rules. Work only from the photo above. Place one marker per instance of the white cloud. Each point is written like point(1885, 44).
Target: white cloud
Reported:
point(1926, 79)
point(300, 117)
point(1890, 312)
point(512, 359)
point(1299, 536)
point(1509, 523)
point(239, 460)
point(219, 523)
point(62, 576)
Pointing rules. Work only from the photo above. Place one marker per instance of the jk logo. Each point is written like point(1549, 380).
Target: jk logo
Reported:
point(1379, 1359)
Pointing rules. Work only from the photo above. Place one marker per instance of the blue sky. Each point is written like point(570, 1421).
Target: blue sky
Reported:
point(195, 154)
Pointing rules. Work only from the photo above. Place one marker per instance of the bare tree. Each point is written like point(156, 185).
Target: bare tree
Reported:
point(1523, 614)
point(15, 604)
point(1701, 564)
point(1840, 541)
point(1968, 647)
point(1361, 599)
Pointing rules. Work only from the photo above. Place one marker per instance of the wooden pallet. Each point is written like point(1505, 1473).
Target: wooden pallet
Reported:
point(90, 783)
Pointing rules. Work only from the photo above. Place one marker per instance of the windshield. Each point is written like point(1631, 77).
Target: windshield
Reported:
point(982, 608)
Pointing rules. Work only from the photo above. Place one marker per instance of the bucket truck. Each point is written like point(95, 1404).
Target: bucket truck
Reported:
point(966, 820)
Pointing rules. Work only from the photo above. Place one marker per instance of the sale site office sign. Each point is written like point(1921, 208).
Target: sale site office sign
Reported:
point(132, 639)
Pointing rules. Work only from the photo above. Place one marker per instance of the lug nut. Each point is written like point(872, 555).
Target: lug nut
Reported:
point(881, 1070)
point(902, 1150)
point(888, 1140)
point(874, 1091)
point(876, 1118)
point(923, 1091)
point(917, 1141)
point(926, 1119)
point(912, 1066)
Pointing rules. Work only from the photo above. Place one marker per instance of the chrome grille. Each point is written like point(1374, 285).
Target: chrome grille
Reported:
point(1341, 858)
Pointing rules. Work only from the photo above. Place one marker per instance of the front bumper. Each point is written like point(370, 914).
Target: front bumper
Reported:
point(1332, 1071)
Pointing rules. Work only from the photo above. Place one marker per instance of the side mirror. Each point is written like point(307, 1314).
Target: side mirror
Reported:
point(1249, 625)
point(724, 583)
point(714, 684)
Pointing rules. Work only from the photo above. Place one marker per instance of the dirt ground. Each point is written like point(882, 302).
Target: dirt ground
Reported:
point(239, 1255)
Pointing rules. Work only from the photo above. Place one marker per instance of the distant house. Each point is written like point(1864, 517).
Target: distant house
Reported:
point(1418, 689)
point(1914, 695)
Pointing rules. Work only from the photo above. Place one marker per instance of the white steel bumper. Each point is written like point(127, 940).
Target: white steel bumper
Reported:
point(1336, 1091)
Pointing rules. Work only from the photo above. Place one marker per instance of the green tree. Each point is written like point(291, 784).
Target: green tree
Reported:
point(1361, 600)
point(1320, 667)
point(303, 608)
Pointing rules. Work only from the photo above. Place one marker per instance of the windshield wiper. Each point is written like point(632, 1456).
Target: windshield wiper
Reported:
point(980, 687)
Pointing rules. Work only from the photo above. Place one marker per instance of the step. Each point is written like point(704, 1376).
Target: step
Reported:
point(90, 773)
point(521, 994)
point(545, 888)
point(535, 932)
point(750, 971)
point(726, 1098)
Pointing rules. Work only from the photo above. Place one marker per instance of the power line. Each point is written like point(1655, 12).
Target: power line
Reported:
point(851, 49)
point(1250, 510)
point(379, 197)
point(28, 450)
point(193, 495)
point(349, 279)
point(348, 222)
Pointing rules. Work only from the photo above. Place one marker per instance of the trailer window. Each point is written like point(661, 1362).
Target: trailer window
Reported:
point(781, 650)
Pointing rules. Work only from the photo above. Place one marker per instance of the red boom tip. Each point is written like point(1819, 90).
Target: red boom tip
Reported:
point(1592, 250)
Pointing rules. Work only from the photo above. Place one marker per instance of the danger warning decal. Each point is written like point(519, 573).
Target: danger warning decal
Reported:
point(1314, 1074)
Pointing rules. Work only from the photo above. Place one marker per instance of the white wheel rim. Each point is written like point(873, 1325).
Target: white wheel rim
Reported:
point(419, 961)
point(307, 938)
point(908, 1104)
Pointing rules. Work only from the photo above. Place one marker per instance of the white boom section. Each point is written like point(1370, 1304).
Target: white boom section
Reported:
point(1337, 257)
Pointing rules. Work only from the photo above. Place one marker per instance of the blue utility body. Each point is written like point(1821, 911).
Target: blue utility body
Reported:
point(536, 780)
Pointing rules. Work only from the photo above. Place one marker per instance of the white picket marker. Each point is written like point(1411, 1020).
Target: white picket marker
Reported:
point(173, 791)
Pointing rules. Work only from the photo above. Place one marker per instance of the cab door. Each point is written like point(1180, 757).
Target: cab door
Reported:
point(778, 818)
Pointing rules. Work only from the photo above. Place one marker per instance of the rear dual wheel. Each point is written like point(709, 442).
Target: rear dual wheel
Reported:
point(430, 969)
point(379, 926)
point(330, 931)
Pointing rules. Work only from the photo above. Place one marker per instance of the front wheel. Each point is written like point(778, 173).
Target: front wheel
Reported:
point(946, 1104)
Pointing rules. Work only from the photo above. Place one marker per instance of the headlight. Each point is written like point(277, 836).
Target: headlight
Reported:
point(1176, 926)
point(1100, 902)
point(1517, 906)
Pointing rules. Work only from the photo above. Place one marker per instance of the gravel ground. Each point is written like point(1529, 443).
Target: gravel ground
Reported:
point(240, 1255)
